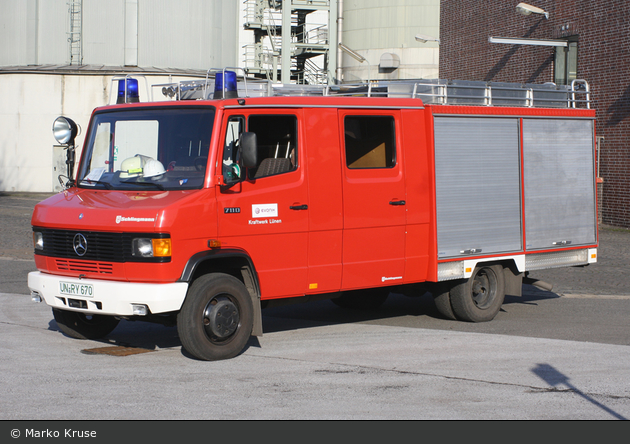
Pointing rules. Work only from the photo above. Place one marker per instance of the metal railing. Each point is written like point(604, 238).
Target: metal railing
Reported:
point(439, 91)
point(445, 92)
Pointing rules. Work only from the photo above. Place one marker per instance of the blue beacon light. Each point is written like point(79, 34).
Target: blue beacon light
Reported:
point(131, 85)
point(229, 78)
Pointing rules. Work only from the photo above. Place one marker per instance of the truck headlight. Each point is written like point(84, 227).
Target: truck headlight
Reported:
point(38, 240)
point(147, 247)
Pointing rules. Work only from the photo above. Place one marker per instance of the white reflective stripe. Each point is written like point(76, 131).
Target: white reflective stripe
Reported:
point(111, 297)
point(557, 259)
point(538, 261)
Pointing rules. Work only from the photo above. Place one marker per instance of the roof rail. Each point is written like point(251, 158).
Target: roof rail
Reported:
point(430, 91)
point(464, 92)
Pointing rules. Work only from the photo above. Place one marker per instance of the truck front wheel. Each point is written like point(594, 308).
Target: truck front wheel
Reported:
point(479, 299)
point(83, 326)
point(216, 319)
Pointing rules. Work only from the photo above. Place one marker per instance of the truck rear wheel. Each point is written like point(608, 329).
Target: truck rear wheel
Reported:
point(217, 318)
point(83, 326)
point(442, 298)
point(479, 299)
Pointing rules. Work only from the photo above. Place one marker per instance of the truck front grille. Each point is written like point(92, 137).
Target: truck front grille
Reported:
point(98, 248)
point(101, 246)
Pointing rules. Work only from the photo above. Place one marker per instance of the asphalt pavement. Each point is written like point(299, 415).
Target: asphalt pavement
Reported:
point(317, 362)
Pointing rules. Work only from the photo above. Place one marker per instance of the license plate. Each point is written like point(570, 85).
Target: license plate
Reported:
point(72, 289)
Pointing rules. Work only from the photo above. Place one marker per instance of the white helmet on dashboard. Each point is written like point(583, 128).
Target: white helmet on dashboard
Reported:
point(153, 168)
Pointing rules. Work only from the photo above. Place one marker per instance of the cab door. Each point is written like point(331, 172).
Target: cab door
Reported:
point(265, 212)
point(374, 199)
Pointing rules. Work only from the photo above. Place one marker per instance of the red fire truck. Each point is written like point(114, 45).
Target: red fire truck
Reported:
point(227, 197)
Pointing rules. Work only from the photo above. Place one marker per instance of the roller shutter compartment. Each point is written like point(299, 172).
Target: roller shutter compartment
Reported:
point(478, 186)
point(558, 163)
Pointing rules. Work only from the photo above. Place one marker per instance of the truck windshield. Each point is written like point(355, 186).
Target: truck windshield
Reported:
point(147, 148)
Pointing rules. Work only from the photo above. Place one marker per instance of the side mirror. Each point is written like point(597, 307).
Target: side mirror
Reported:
point(249, 150)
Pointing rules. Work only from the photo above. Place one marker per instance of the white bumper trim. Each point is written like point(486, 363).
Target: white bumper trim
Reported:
point(110, 297)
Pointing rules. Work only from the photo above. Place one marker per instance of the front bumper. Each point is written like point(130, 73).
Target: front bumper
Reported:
point(93, 296)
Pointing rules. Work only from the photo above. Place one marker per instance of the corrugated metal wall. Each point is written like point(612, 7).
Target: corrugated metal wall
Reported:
point(32, 32)
point(103, 32)
point(202, 34)
point(186, 34)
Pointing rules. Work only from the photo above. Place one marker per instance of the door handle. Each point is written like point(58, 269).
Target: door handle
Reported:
point(299, 207)
point(397, 202)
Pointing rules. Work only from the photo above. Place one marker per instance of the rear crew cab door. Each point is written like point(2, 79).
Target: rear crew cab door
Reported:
point(374, 198)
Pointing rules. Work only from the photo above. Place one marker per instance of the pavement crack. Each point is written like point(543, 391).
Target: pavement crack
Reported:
point(364, 369)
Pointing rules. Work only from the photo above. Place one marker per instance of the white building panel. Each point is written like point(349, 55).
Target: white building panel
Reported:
point(201, 35)
point(52, 32)
point(103, 32)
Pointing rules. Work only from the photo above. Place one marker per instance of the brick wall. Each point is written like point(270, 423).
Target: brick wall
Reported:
point(603, 31)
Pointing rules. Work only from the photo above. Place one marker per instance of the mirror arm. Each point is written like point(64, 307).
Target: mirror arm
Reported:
point(225, 185)
point(70, 157)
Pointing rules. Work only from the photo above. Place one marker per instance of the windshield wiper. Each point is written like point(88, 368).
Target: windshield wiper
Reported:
point(153, 184)
point(107, 185)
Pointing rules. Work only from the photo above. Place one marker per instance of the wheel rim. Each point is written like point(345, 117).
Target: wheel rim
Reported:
point(221, 318)
point(484, 288)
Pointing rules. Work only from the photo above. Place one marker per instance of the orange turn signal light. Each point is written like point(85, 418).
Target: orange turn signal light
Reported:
point(161, 247)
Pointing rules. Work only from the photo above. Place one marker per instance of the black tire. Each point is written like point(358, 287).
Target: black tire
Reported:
point(83, 326)
point(217, 318)
point(369, 299)
point(479, 298)
point(442, 298)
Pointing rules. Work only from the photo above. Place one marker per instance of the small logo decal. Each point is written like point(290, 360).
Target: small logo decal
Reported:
point(79, 243)
point(120, 219)
point(227, 210)
point(81, 216)
point(265, 210)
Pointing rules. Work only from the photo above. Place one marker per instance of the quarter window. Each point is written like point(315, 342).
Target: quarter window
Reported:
point(369, 142)
point(231, 168)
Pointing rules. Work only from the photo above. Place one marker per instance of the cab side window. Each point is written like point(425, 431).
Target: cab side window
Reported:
point(277, 144)
point(370, 142)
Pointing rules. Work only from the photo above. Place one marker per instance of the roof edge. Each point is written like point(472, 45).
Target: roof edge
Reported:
point(98, 70)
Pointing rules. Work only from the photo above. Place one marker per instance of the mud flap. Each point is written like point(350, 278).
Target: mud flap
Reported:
point(513, 282)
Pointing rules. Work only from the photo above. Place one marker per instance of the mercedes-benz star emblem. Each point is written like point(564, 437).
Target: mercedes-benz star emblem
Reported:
point(79, 243)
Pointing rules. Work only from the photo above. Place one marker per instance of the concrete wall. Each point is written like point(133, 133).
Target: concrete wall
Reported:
point(154, 35)
point(30, 104)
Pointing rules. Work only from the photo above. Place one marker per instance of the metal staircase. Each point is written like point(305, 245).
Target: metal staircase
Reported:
point(284, 40)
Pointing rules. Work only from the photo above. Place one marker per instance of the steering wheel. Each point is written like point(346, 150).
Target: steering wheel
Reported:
point(200, 163)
